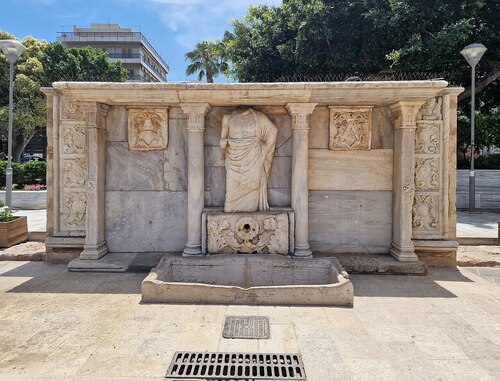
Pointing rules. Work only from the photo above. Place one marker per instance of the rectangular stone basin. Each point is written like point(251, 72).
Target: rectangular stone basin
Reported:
point(248, 279)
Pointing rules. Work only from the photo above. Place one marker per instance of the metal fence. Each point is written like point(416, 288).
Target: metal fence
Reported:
point(352, 77)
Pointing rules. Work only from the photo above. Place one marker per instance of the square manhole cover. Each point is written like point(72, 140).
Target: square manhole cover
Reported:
point(246, 327)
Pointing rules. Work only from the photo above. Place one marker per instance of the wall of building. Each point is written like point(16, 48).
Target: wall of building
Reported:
point(487, 189)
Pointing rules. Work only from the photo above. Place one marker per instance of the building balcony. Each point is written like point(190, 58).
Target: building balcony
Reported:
point(89, 37)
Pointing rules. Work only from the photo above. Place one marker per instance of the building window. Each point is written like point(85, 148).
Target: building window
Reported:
point(127, 53)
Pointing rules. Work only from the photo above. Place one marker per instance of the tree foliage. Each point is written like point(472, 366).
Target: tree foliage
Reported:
point(40, 65)
point(80, 64)
point(317, 37)
point(208, 59)
point(313, 37)
point(29, 102)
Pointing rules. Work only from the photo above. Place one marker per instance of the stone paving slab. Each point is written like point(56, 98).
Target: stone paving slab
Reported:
point(60, 325)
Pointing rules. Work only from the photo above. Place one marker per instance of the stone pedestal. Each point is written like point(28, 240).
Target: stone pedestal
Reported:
point(300, 192)
point(196, 183)
point(268, 232)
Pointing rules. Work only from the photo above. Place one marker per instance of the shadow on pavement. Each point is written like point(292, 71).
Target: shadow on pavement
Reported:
point(52, 278)
point(408, 286)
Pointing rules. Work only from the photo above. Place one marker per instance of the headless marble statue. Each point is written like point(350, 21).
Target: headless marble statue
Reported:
point(249, 139)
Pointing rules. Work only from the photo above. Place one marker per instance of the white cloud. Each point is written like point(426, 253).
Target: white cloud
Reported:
point(195, 20)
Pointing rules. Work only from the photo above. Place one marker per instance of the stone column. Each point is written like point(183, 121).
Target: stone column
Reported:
point(404, 116)
point(300, 191)
point(95, 243)
point(196, 176)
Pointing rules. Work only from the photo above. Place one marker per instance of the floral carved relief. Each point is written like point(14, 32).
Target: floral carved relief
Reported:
point(431, 110)
point(427, 137)
point(147, 129)
point(427, 173)
point(74, 139)
point(350, 128)
point(75, 208)
point(255, 234)
point(72, 110)
point(75, 173)
point(425, 212)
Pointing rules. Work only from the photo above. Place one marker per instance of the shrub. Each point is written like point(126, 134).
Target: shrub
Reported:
point(31, 172)
point(5, 214)
point(34, 172)
point(481, 162)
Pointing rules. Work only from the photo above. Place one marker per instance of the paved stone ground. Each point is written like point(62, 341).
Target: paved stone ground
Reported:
point(481, 224)
point(57, 325)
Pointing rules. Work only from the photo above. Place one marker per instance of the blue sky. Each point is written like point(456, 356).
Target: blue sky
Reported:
point(172, 26)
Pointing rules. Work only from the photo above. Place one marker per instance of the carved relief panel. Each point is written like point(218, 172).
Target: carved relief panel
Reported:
point(425, 212)
point(427, 137)
point(75, 207)
point(73, 165)
point(350, 128)
point(147, 129)
point(426, 173)
point(427, 204)
point(247, 233)
point(74, 139)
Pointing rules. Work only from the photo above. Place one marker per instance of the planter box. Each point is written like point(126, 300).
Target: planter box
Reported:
point(14, 232)
point(22, 199)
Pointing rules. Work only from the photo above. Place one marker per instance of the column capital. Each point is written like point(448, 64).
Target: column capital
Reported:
point(404, 113)
point(94, 113)
point(300, 108)
point(196, 115)
point(300, 113)
point(195, 108)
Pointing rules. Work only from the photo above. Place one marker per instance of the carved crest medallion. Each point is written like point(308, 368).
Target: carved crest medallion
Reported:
point(147, 129)
point(350, 128)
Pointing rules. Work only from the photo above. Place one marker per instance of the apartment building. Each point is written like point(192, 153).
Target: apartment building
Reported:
point(131, 48)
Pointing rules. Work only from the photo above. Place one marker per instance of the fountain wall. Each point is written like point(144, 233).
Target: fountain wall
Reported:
point(385, 187)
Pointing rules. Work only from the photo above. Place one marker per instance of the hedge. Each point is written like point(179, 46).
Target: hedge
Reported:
point(481, 162)
point(31, 172)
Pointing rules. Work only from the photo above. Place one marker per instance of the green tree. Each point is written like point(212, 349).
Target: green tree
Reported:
point(314, 37)
point(80, 64)
point(208, 59)
point(317, 37)
point(40, 65)
point(29, 102)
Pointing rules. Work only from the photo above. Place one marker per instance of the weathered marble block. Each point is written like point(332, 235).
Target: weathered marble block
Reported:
point(258, 232)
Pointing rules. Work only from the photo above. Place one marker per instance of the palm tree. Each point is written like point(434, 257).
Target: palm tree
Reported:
point(207, 59)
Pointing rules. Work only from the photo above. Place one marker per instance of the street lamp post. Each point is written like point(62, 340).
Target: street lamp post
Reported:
point(472, 53)
point(12, 50)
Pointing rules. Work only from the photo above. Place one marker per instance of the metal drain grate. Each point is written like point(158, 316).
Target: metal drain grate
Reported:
point(236, 366)
point(246, 327)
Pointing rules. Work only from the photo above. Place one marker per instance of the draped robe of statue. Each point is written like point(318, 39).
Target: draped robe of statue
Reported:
point(249, 139)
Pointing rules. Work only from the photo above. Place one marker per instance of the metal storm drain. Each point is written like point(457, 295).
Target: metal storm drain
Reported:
point(236, 366)
point(246, 327)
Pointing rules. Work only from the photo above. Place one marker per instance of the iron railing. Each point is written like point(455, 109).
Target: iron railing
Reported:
point(343, 77)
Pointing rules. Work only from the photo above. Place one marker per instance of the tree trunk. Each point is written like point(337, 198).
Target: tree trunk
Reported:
point(492, 76)
point(19, 148)
point(210, 77)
